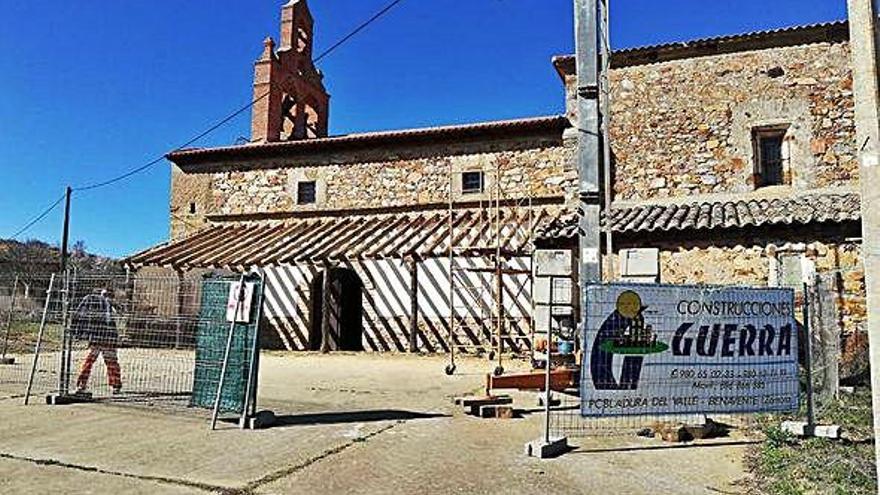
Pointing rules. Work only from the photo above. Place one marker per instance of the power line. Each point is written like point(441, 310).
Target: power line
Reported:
point(38, 217)
point(238, 112)
point(162, 157)
point(210, 129)
point(358, 29)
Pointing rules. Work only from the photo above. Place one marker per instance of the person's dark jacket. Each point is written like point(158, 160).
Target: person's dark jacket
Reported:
point(93, 321)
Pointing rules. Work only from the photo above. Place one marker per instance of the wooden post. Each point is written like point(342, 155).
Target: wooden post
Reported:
point(325, 309)
point(414, 306)
point(65, 233)
point(181, 303)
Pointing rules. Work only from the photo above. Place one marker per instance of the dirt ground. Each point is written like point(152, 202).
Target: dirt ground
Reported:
point(364, 423)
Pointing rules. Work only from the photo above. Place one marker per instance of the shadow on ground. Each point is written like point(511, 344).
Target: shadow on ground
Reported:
point(351, 417)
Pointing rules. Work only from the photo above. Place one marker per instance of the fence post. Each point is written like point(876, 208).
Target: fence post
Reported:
point(3, 359)
point(66, 339)
point(547, 396)
point(178, 320)
point(808, 358)
point(27, 394)
point(225, 365)
point(250, 393)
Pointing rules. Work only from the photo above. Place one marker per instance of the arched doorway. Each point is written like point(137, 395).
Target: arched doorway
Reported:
point(345, 312)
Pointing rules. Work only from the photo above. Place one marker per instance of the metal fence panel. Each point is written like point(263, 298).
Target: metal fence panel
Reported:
point(158, 341)
point(660, 353)
point(23, 301)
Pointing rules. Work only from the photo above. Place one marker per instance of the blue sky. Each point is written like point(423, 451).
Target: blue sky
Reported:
point(92, 89)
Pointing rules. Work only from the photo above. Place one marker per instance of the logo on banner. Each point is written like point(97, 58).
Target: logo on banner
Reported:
point(623, 332)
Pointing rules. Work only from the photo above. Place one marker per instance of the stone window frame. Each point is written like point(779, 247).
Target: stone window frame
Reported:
point(307, 175)
point(759, 112)
point(458, 192)
point(776, 255)
point(761, 132)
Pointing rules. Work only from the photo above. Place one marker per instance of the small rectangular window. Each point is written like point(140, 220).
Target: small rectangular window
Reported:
point(769, 157)
point(790, 271)
point(305, 192)
point(471, 182)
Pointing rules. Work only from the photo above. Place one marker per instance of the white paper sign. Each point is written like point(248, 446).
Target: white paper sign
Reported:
point(665, 349)
point(244, 309)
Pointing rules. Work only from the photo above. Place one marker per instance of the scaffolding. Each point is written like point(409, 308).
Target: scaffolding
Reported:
point(484, 257)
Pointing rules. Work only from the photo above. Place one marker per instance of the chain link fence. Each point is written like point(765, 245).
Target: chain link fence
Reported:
point(133, 339)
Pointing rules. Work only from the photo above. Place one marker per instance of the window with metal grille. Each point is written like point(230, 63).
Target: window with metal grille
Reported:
point(471, 182)
point(769, 157)
point(306, 192)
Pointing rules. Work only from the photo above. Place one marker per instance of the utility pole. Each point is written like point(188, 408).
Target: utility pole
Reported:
point(864, 45)
point(65, 234)
point(589, 143)
point(589, 158)
point(605, 123)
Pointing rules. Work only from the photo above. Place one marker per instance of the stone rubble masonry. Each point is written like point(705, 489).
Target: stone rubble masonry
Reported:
point(684, 127)
point(680, 129)
point(752, 263)
point(537, 167)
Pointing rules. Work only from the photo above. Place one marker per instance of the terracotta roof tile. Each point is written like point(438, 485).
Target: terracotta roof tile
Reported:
point(786, 36)
point(428, 134)
point(704, 215)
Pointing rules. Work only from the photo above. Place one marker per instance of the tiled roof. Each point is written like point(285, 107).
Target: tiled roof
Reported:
point(700, 215)
point(499, 128)
point(755, 40)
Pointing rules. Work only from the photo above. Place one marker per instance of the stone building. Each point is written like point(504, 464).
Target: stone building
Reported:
point(734, 161)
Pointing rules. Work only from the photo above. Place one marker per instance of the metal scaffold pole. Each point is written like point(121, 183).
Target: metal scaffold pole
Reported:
point(39, 344)
point(229, 336)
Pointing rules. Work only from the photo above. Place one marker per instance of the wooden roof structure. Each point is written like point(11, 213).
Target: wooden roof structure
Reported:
point(420, 235)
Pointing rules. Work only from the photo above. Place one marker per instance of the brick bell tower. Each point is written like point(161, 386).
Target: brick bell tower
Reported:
point(297, 105)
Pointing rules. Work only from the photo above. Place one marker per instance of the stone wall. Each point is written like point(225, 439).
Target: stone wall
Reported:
point(756, 262)
point(537, 167)
point(684, 127)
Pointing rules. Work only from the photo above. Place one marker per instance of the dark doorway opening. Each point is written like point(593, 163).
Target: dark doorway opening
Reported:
point(345, 311)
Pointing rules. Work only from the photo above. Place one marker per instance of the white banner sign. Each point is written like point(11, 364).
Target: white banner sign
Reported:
point(655, 349)
point(244, 307)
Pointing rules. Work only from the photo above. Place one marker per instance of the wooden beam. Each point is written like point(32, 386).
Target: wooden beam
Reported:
point(414, 305)
point(365, 245)
point(325, 309)
point(276, 244)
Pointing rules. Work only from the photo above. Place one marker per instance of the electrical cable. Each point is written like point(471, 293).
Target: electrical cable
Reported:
point(238, 112)
point(210, 129)
point(38, 217)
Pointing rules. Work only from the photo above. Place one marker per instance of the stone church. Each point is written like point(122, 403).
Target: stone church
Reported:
point(734, 161)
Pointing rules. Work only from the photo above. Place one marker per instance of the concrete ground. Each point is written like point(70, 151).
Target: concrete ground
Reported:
point(348, 423)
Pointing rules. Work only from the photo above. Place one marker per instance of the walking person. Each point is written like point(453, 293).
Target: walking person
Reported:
point(93, 322)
